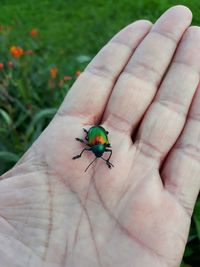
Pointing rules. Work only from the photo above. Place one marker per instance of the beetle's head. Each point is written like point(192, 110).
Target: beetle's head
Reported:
point(98, 150)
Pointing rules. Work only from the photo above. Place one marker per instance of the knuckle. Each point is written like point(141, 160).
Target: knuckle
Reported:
point(189, 149)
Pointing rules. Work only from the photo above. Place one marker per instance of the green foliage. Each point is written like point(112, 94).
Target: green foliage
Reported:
point(32, 86)
point(69, 34)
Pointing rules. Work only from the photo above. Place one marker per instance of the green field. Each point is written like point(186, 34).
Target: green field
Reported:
point(81, 27)
point(70, 33)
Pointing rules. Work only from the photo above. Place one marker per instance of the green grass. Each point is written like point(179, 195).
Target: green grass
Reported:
point(68, 29)
point(76, 27)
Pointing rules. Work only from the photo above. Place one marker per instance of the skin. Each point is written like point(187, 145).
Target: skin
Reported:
point(143, 88)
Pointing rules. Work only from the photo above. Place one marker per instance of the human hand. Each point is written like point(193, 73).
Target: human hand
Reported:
point(138, 213)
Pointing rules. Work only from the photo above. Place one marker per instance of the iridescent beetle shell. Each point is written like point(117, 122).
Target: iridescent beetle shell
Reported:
point(97, 135)
point(97, 141)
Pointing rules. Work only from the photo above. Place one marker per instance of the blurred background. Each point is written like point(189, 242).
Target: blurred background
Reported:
point(44, 46)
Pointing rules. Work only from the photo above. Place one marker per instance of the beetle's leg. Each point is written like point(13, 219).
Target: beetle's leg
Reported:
point(108, 145)
point(86, 138)
point(78, 156)
point(107, 160)
point(82, 141)
point(108, 163)
point(108, 150)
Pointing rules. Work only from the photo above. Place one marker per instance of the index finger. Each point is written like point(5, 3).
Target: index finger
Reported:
point(89, 95)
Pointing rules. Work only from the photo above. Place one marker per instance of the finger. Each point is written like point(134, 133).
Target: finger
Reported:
point(139, 81)
point(89, 94)
point(181, 172)
point(166, 116)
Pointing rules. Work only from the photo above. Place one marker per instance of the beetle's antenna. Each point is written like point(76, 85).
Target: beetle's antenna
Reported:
point(90, 164)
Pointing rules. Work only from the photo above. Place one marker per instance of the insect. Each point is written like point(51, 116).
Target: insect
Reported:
point(97, 142)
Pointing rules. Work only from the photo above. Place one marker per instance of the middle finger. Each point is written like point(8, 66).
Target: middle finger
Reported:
point(138, 83)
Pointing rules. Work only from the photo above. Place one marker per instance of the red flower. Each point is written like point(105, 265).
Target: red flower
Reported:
point(29, 52)
point(1, 66)
point(78, 73)
point(10, 64)
point(51, 84)
point(61, 83)
point(34, 32)
point(67, 78)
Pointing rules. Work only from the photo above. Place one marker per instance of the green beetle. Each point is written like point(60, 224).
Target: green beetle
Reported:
point(97, 140)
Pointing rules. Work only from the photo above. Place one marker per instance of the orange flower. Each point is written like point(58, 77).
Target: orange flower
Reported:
point(78, 73)
point(16, 51)
point(10, 64)
point(67, 78)
point(61, 83)
point(51, 84)
point(53, 72)
point(1, 66)
point(34, 32)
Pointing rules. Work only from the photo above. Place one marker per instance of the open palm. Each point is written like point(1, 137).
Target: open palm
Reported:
point(140, 87)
